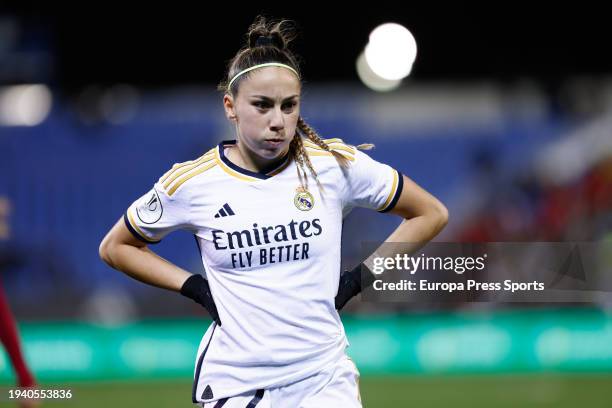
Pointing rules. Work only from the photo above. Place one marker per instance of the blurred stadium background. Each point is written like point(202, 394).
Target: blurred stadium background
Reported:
point(506, 117)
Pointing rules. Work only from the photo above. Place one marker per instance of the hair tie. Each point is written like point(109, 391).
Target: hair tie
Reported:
point(264, 40)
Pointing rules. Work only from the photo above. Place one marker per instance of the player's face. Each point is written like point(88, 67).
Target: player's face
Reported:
point(266, 110)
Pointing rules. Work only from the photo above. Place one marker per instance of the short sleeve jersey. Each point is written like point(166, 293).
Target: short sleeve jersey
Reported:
point(271, 252)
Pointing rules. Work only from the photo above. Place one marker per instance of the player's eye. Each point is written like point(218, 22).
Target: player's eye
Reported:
point(289, 106)
point(261, 104)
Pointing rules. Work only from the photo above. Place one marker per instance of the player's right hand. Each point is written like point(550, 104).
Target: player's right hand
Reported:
point(196, 288)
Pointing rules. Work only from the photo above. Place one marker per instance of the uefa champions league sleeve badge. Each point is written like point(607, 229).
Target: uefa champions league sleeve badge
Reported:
point(303, 200)
point(149, 209)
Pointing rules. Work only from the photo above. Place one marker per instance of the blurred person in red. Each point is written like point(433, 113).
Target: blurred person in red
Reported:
point(9, 335)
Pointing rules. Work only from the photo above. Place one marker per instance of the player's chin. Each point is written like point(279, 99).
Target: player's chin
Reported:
point(273, 148)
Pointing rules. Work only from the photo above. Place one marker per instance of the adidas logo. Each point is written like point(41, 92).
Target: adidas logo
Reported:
point(226, 211)
point(207, 394)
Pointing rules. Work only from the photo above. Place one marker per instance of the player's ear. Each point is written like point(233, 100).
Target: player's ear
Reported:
point(228, 105)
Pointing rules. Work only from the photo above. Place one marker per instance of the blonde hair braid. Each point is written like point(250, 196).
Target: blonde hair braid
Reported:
point(301, 157)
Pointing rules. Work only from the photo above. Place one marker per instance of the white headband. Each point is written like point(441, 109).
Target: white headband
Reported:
point(267, 64)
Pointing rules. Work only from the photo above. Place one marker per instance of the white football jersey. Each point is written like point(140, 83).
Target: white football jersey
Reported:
point(271, 252)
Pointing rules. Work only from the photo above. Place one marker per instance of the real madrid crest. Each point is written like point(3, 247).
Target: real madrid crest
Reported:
point(303, 200)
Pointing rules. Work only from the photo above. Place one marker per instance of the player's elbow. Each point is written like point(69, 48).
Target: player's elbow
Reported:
point(439, 216)
point(105, 250)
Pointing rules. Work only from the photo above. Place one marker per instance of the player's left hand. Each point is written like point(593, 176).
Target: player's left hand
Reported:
point(351, 284)
point(347, 288)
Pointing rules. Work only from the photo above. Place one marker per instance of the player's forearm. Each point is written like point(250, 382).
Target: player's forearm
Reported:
point(419, 229)
point(411, 235)
point(146, 266)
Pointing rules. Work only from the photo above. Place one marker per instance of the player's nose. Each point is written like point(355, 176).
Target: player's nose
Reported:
point(277, 121)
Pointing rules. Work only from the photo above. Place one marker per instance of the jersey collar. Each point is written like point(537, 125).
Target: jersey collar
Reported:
point(248, 175)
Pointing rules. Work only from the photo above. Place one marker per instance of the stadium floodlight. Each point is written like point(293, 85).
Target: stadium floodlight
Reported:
point(24, 105)
point(391, 51)
point(373, 81)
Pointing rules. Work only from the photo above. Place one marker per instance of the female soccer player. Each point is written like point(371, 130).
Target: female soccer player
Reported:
point(266, 210)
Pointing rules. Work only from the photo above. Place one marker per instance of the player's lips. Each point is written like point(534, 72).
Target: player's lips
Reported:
point(274, 141)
